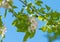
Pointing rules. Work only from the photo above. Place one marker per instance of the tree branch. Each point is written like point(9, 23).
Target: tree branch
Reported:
point(23, 3)
point(31, 8)
point(26, 5)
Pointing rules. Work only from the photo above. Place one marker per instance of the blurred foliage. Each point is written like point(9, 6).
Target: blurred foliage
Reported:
point(1, 24)
point(1, 31)
point(38, 2)
point(22, 22)
point(0, 1)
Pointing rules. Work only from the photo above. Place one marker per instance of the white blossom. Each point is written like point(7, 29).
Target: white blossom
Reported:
point(33, 25)
point(3, 30)
point(5, 4)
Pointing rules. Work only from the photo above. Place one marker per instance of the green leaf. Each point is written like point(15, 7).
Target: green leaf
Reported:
point(32, 34)
point(29, 4)
point(13, 12)
point(1, 23)
point(25, 1)
point(5, 13)
point(14, 7)
point(21, 22)
point(29, 10)
point(41, 18)
point(38, 3)
point(10, 10)
point(54, 29)
point(0, 16)
point(47, 7)
point(42, 10)
point(26, 36)
point(10, 2)
point(49, 30)
point(14, 22)
point(43, 28)
point(1, 40)
point(22, 10)
point(0, 1)
point(0, 32)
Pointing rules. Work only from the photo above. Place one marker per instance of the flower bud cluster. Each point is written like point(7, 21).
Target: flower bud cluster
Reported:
point(3, 31)
point(33, 25)
point(5, 4)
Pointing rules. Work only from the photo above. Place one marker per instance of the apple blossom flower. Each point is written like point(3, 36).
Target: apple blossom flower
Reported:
point(5, 4)
point(3, 31)
point(33, 25)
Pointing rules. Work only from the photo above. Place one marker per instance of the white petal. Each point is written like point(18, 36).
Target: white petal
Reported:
point(2, 35)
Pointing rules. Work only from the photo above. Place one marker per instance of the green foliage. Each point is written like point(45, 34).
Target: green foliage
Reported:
point(28, 35)
point(49, 30)
point(30, 8)
point(1, 41)
point(5, 13)
point(32, 34)
point(38, 3)
point(1, 24)
point(43, 29)
point(22, 22)
point(10, 2)
point(0, 1)
point(42, 10)
point(47, 7)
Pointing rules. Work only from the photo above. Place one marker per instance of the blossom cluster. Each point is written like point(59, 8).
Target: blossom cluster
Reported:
point(33, 25)
point(2, 31)
point(5, 4)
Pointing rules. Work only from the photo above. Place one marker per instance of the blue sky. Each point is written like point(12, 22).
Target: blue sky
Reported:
point(13, 36)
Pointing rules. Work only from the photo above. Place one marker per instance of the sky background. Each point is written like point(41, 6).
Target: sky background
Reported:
point(13, 36)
